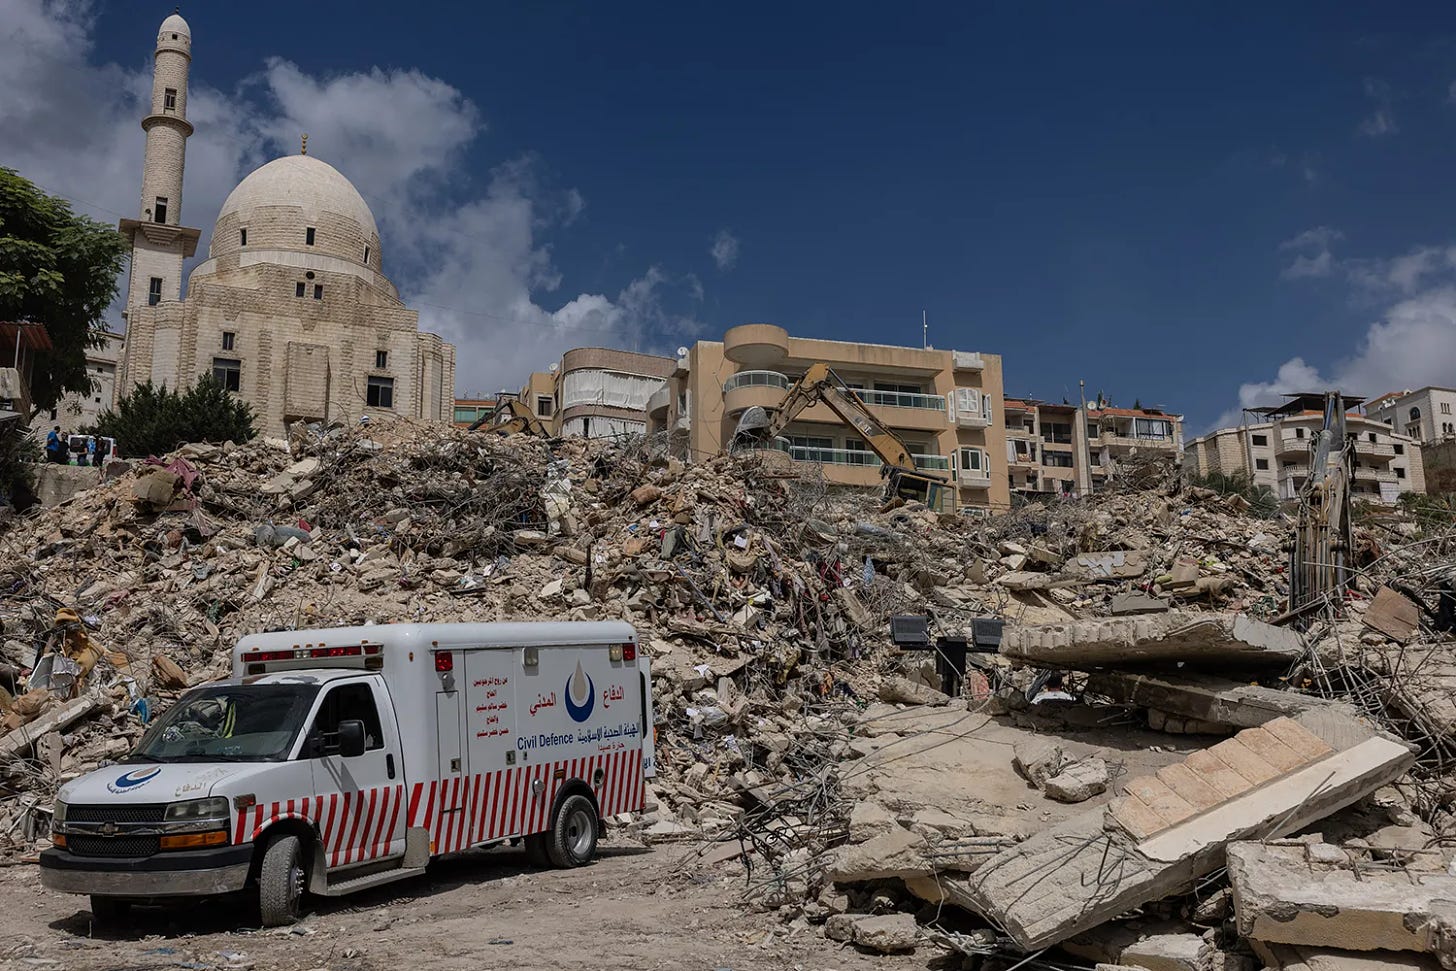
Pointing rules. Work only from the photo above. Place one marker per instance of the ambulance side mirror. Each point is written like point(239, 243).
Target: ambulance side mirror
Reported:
point(351, 738)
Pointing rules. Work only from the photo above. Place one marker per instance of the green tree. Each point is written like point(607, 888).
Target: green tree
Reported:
point(151, 420)
point(59, 269)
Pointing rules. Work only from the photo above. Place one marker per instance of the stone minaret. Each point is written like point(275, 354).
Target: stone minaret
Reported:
point(159, 241)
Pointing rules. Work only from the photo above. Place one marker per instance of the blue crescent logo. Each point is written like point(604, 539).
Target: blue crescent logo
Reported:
point(582, 711)
point(134, 779)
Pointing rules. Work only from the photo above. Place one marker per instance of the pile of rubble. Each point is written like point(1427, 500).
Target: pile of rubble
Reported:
point(1106, 708)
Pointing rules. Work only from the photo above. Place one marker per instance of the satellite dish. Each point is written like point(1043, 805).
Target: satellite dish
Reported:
point(554, 368)
point(682, 352)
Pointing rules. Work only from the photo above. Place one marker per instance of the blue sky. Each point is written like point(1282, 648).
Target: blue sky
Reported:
point(1194, 207)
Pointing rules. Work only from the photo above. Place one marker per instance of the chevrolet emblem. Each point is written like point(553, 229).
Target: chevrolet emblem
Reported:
point(107, 829)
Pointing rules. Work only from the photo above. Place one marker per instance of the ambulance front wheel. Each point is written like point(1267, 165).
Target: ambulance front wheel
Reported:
point(280, 882)
point(573, 838)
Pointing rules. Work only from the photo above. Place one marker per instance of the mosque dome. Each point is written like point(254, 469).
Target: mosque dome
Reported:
point(298, 203)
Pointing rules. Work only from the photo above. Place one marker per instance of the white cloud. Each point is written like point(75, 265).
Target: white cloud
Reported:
point(1311, 256)
point(724, 249)
point(472, 255)
point(1411, 344)
point(1381, 120)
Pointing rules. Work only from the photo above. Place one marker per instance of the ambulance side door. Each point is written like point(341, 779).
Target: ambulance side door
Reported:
point(358, 799)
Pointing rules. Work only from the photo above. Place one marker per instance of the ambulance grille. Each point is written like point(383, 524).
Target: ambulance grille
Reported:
point(123, 813)
point(122, 846)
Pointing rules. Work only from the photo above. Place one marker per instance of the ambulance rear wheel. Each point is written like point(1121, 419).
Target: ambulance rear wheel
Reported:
point(280, 882)
point(573, 839)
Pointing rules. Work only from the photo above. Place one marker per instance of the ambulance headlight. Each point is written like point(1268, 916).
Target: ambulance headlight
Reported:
point(58, 813)
point(195, 810)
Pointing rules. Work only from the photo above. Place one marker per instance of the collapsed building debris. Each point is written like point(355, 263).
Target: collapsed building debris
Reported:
point(835, 778)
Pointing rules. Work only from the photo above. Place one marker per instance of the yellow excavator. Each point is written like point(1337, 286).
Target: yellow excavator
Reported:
point(510, 416)
point(903, 481)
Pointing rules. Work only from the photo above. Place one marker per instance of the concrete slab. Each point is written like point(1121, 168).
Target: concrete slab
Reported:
point(1287, 957)
point(1208, 640)
point(1103, 863)
point(1206, 697)
point(1284, 894)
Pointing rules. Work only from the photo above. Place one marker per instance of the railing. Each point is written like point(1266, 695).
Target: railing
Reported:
point(902, 399)
point(833, 456)
point(938, 463)
point(749, 379)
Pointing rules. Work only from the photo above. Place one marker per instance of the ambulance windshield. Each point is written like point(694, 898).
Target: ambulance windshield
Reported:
point(229, 723)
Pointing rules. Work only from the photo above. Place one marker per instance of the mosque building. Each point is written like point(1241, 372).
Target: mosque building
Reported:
point(291, 310)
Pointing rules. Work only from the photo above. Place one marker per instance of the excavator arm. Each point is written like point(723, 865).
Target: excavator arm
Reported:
point(904, 480)
point(520, 420)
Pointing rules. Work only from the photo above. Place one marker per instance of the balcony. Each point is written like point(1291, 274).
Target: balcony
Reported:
point(967, 361)
point(1374, 451)
point(834, 456)
point(657, 404)
point(1114, 440)
point(1292, 445)
point(902, 399)
point(746, 389)
point(973, 479)
point(1375, 475)
point(932, 463)
point(756, 345)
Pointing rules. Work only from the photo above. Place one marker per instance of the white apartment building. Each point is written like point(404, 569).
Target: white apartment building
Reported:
point(1426, 415)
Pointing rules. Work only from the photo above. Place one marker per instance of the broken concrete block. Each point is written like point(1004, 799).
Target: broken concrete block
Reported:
point(1037, 759)
point(1079, 781)
point(1167, 952)
point(893, 854)
point(903, 691)
point(868, 820)
point(1215, 640)
point(167, 673)
point(1207, 697)
point(1184, 572)
point(1283, 896)
point(645, 495)
point(886, 934)
point(1289, 957)
point(1170, 829)
point(1132, 604)
point(1015, 562)
point(1111, 565)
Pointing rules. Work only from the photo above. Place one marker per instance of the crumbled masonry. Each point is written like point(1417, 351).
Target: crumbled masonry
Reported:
point(1076, 788)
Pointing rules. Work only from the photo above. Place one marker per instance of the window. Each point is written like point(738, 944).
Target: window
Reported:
point(380, 393)
point(154, 291)
point(348, 702)
point(973, 463)
point(1372, 437)
point(53, 414)
point(298, 289)
point(1299, 433)
point(1399, 473)
point(381, 359)
point(1399, 449)
point(318, 291)
point(228, 339)
point(1445, 407)
point(1447, 428)
point(159, 210)
point(242, 237)
point(308, 236)
point(1261, 464)
point(366, 255)
point(1413, 430)
point(1057, 460)
point(1058, 432)
point(1154, 429)
point(228, 372)
point(899, 388)
point(1415, 414)
point(169, 99)
point(854, 445)
point(1259, 440)
point(543, 405)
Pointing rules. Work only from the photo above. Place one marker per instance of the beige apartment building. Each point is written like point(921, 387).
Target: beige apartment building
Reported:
point(1044, 451)
point(1276, 452)
point(291, 310)
point(1427, 415)
point(1117, 435)
point(597, 392)
point(945, 405)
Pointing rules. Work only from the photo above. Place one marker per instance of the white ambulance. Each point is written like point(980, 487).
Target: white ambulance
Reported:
point(335, 760)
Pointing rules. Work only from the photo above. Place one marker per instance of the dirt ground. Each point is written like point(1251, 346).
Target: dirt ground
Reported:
point(634, 908)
